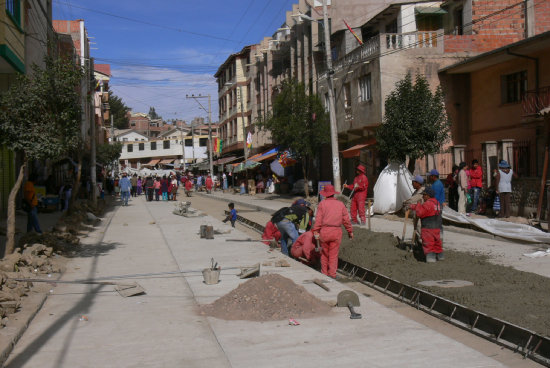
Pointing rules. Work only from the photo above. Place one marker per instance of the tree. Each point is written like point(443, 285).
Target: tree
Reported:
point(298, 122)
point(153, 114)
point(108, 153)
point(119, 111)
point(40, 118)
point(415, 122)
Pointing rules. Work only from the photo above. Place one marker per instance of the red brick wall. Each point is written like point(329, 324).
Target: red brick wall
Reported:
point(491, 31)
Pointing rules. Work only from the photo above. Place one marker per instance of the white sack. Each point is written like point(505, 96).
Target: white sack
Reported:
point(503, 229)
point(393, 187)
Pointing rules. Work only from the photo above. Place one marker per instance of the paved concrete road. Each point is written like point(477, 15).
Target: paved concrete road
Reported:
point(92, 326)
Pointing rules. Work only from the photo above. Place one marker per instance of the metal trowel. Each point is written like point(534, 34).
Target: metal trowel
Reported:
point(349, 299)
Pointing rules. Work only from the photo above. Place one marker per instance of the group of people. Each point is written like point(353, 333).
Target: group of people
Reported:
point(465, 184)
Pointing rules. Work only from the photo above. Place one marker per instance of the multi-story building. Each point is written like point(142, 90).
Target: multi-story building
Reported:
point(102, 75)
point(25, 34)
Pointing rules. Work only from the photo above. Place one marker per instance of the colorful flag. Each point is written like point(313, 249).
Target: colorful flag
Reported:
point(353, 33)
point(249, 140)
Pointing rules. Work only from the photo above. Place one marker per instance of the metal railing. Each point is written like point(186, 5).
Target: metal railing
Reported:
point(535, 100)
point(416, 40)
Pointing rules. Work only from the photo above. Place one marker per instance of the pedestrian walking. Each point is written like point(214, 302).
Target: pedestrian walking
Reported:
point(149, 187)
point(125, 188)
point(139, 186)
point(331, 215)
point(504, 188)
point(452, 184)
point(209, 183)
point(174, 189)
point(224, 180)
point(462, 186)
point(188, 187)
point(437, 186)
point(30, 205)
point(157, 189)
point(133, 181)
point(359, 188)
point(164, 188)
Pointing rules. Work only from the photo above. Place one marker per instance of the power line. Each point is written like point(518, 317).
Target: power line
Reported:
point(148, 23)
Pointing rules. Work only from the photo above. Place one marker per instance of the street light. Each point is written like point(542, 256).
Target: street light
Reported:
point(196, 98)
point(331, 103)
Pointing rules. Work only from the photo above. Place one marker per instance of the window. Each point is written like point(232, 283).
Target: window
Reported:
point(153, 146)
point(248, 92)
point(13, 8)
point(364, 88)
point(203, 142)
point(347, 95)
point(125, 139)
point(166, 144)
point(141, 146)
point(513, 87)
point(189, 143)
point(130, 148)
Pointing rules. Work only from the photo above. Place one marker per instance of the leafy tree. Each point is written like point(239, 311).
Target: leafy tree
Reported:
point(108, 153)
point(415, 122)
point(40, 118)
point(119, 111)
point(299, 122)
point(153, 114)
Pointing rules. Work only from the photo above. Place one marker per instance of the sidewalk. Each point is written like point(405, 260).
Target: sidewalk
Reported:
point(92, 326)
point(500, 251)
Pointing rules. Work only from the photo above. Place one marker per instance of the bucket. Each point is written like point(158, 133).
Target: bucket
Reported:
point(211, 276)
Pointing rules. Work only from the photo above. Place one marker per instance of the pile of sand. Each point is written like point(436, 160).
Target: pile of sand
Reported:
point(266, 298)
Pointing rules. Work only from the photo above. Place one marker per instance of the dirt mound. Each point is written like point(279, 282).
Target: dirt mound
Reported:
point(266, 298)
point(519, 297)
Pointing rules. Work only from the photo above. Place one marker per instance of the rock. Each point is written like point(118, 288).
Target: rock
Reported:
point(91, 217)
point(48, 252)
point(9, 262)
point(6, 296)
point(35, 249)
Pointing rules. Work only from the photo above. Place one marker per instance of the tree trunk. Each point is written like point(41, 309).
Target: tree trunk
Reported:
point(10, 222)
point(412, 164)
point(76, 186)
point(306, 184)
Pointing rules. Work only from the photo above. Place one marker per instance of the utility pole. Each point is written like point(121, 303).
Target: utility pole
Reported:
point(209, 111)
point(93, 168)
point(182, 148)
point(331, 104)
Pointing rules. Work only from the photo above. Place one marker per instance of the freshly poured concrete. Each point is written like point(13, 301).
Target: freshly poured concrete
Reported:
point(163, 328)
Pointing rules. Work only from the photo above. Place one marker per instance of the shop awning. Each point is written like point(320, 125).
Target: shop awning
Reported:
point(355, 151)
point(225, 160)
point(153, 162)
point(167, 161)
point(266, 157)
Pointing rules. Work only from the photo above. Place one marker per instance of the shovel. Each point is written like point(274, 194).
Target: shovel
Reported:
point(349, 299)
point(401, 240)
point(368, 212)
point(318, 247)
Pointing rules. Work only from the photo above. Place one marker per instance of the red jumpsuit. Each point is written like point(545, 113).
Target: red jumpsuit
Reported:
point(209, 184)
point(188, 185)
point(271, 232)
point(359, 197)
point(429, 213)
point(331, 215)
point(304, 247)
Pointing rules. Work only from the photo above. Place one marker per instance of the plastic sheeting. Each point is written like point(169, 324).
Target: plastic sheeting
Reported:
point(503, 229)
point(393, 187)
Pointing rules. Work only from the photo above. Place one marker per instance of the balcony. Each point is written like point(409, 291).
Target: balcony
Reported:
point(386, 42)
point(535, 100)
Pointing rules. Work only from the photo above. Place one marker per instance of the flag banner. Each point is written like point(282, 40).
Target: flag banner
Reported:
point(353, 33)
point(249, 140)
point(287, 159)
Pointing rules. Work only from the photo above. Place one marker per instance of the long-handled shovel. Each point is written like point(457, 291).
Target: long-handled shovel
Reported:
point(125, 290)
point(401, 240)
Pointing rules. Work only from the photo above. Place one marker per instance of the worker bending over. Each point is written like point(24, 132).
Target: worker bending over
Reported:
point(331, 215)
point(429, 213)
point(305, 248)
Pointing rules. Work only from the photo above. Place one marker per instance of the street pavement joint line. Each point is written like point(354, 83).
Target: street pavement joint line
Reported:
point(185, 280)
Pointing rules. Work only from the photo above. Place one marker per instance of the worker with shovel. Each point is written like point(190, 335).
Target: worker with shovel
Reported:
point(429, 213)
point(358, 194)
point(331, 215)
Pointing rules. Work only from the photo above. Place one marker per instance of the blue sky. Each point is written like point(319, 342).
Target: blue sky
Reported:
point(161, 50)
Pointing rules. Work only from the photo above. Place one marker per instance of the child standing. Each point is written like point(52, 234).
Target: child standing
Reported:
point(232, 214)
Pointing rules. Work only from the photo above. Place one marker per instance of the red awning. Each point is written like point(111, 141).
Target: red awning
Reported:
point(355, 151)
point(266, 157)
point(225, 160)
point(167, 161)
point(153, 162)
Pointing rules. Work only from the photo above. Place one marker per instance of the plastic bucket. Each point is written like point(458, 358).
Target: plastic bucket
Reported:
point(211, 276)
point(209, 232)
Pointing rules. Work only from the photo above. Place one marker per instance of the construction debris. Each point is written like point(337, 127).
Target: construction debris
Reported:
point(184, 209)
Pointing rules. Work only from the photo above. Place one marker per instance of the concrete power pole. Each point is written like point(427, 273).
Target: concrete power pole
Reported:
point(245, 148)
point(331, 104)
point(209, 111)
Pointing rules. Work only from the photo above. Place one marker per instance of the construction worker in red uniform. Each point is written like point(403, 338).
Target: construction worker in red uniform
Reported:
point(209, 183)
point(305, 248)
point(188, 187)
point(429, 213)
point(359, 188)
point(271, 233)
point(331, 215)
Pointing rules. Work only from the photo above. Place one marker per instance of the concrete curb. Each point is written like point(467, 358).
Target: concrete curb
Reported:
point(240, 203)
point(21, 320)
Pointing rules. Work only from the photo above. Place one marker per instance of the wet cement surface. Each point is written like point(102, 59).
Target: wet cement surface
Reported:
point(518, 297)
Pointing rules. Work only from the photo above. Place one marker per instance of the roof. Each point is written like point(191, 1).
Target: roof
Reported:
point(103, 69)
point(122, 132)
point(227, 61)
point(500, 55)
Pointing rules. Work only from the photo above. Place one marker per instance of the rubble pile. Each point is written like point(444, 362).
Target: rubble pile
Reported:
point(184, 209)
point(267, 298)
